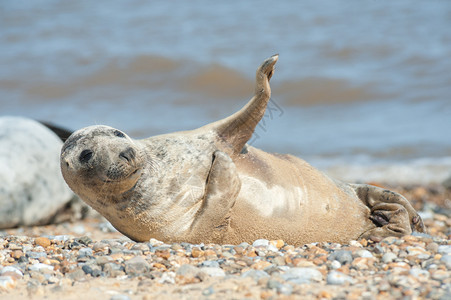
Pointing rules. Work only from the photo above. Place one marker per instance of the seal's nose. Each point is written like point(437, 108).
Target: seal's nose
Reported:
point(85, 156)
point(128, 154)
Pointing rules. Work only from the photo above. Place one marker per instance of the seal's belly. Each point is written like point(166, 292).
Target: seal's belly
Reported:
point(286, 198)
point(270, 201)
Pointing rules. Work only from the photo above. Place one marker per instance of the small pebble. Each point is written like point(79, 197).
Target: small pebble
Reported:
point(302, 275)
point(444, 249)
point(342, 256)
point(255, 274)
point(338, 278)
point(261, 243)
point(85, 252)
point(6, 283)
point(120, 297)
point(42, 241)
point(40, 267)
point(364, 253)
point(388, 257)
point(137, 265)
point(213, 271)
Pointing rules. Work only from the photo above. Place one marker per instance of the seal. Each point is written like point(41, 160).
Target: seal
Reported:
point(207, 185)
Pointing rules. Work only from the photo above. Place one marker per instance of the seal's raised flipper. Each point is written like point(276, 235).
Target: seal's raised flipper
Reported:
point(237, 129)
point(390, 212)
point(222, 188)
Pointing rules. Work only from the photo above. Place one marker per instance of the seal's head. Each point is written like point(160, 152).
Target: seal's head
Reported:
point(99, 161)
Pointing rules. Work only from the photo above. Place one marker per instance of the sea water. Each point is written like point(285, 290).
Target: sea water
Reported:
point(362, 89)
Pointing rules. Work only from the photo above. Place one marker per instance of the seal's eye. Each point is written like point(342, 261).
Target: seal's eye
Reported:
point(118, 134)
point(85, 156)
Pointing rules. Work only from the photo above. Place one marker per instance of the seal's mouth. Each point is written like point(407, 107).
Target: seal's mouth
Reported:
point(132, 174)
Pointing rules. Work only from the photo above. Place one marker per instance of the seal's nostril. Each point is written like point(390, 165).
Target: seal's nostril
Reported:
point(85, 156)
point(128, 154)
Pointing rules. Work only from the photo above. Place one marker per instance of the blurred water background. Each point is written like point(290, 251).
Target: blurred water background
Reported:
point(362, 89)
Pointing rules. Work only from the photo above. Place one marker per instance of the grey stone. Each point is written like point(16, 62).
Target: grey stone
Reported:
point(32, 188)
point(342, 256)
point(113, 269)
point(101, 260)
point(93, 270)
point(210, 264)
point(187, 271)
point(136, 266)
point(273, 284)
point(338, 278)
point(444, 249)
point(302, 275)
point(85, 252)
point(255, 274)
point(84, 240)
point(36, 255)
point(446, 259)
point(77, 274)
point(281, 288)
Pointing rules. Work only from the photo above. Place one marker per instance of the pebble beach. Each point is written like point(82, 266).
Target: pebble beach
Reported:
point(89, 259)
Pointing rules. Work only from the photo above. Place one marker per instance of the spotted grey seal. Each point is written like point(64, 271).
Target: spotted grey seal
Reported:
point(208, 185)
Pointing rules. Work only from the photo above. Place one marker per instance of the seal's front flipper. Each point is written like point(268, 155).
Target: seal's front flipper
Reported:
point(221, 191)
point(237, 129)
point(392, 214)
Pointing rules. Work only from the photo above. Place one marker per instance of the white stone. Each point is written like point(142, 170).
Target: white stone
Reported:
point(261, 243)
point(302, 275)
point(213, 271)
point(444, 249)
point(338, 278)
point(40, 267)
point(335, 264)
point(11, 269)
point(364, 253)
point(6, 283)
point(388, 257)
point(32, 188)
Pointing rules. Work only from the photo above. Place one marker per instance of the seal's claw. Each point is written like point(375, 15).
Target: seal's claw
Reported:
point(267, 67)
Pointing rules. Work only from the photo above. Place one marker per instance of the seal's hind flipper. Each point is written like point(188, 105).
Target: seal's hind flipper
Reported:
point(237, 129)
point(391, 213)
point(221, 191)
